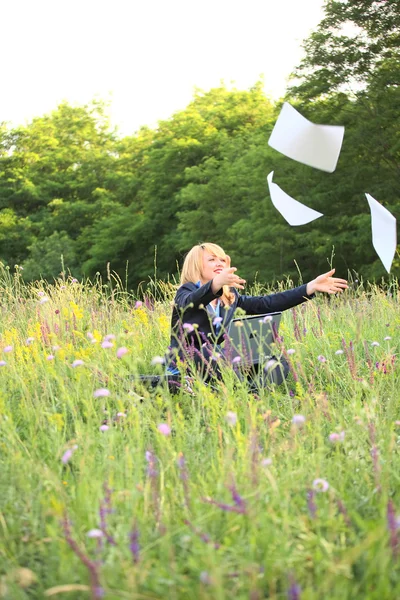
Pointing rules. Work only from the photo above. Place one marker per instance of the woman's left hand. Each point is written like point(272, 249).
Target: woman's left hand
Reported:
point(327, 283)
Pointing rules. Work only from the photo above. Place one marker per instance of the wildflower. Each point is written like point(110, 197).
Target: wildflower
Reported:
point(107, 344)
point(291, 351)
point(337, 437)
point(231, 418)
point(8, 349)
point(3, 363)
point(62, 287)
point(109, 337)
point(43, 300)
point(312, 507)
point(134, 543)
point(217, 320)
point(50, 357)
point(95, 533)
point(101, 393)
point(271, 364)
point(397, 423)
point(157, 360)
point(321, 358)
point(266, 462)
point(236, 359)
point(164, 429)
point(29, 340)
point(338, 352)
point(375, 344)
point(267, 319)
point(122, 351)
point(298, 420)
point(387, 338)
point(215, 356)
point(40, 294)
point(77, 363)
point(74, 280)
point(90, 335)
point(66, 457)
point(320, 485)
point(188, 327)
point(104, 428)
point(121, 414)
point(205, 578)
point(138, 304)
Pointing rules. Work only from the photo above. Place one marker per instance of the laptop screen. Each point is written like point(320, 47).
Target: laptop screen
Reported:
point(251, 337)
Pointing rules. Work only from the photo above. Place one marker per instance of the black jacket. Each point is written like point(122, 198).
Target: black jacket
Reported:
point(190, 309)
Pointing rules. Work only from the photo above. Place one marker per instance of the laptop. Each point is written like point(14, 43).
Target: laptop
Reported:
point(251, 336)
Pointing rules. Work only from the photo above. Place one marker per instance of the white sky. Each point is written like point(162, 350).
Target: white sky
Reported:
point(145, 56)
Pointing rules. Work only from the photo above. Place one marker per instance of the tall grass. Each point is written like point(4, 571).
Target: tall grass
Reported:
point(237, 494)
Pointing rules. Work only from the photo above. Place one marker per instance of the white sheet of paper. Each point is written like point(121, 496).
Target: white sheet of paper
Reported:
point(292, 210)
point(313, 145)
point(384, 234)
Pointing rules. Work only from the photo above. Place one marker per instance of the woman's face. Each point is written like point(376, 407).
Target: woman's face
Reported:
point(212, 265)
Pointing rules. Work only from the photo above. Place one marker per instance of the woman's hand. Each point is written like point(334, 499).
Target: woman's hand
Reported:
point(227, 277)
point(327, 283)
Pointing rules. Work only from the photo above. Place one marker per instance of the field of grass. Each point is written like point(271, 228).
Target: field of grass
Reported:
point(109, 490)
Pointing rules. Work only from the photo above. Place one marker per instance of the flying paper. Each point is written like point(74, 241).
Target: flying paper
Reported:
point(384, 238)
point(293, 211)
point(314, 145)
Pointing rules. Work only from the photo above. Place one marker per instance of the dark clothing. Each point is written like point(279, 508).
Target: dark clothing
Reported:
point(190, 310)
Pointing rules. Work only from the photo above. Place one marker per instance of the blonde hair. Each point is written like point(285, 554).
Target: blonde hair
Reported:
point(193, 265)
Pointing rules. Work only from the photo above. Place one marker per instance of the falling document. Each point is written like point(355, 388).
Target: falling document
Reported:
point(384, 238)
point(293, 211)
point(314, 145)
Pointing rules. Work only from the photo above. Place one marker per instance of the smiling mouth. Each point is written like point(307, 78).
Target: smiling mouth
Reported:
point(217, 270)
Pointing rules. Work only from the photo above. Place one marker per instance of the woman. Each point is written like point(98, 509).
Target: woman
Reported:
point(208, 296)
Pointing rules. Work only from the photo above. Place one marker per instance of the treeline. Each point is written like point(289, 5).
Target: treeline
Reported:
point(70, 187)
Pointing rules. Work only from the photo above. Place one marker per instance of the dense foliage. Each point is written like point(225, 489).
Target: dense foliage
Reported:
point(71, 188)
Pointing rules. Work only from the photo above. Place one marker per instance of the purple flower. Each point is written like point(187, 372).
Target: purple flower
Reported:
point(3, 363)
point(43, 300)
point(188, 327)
point(231, 418)
point(8, 349)
point(50, 357)
point(291, 351)
point(122, 351)
point(90, 335)
point(271, 364)
point(30, 340)
point(375, 344)
point(164, 429)
point(134, 543)
point(205, 578)
point(101, 393)
point(107, 344)
point(321, 358)
point(320, 485)
point(121, 414)
point(337, 437)
point(267, 319)
point(40, 293)
point(104, 428)
point(298, 420)
point(217, 320)
point(387, 338)
point(138, 304)
point(236, 359)
point(77, 363)
point(66, 457)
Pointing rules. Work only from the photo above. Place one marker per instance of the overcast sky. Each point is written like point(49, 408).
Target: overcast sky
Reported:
point(145, 57)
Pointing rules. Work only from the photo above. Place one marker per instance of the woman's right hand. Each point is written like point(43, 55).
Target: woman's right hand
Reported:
point(227, 277)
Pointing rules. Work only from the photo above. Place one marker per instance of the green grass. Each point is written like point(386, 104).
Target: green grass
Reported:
point(343, 551)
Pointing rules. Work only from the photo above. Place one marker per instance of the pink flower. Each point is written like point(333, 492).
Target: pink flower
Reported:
point(236, 359)
point(77, 363)
point(66, 457)
point(321, 358)
point(138, 304)
point(8, 349)
point(107, 344)
point(337, 437)
point(101, 393)
point(164, 429)
point(109, 337)
point(375, 344)
point(40, 293)
point(95, 533)
point(231, 418)
point(104, 428)
point(50, 357)
point(188, 327)
point(30, 340)
point(217, 320)
point(122, 351)
point(121, 414)
point(320, 485)
point(298, 420)
point(387, 338)
point(43, 300)
point(3, 363)
point(74, 280)
point(291, 351)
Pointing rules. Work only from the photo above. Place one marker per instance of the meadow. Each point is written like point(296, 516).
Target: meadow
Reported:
point(108, 489)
